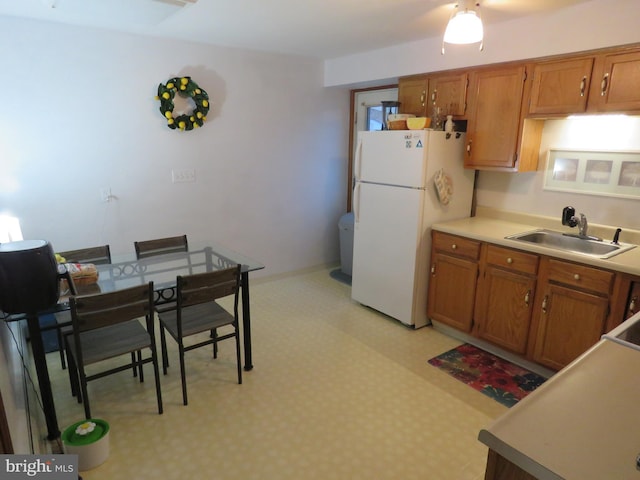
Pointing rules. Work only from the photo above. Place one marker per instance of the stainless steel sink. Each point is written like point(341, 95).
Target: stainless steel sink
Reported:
point(572, 243)
point(627, 333)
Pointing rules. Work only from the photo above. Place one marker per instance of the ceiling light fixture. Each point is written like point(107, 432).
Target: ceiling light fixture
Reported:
point(465, 25)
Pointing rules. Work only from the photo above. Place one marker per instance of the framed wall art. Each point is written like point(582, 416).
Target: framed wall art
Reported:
point(613, 173)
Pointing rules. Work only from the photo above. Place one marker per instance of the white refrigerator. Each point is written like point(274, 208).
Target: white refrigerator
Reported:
point(405, 180)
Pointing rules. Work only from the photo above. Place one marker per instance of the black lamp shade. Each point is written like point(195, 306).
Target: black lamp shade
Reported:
point(28, 277)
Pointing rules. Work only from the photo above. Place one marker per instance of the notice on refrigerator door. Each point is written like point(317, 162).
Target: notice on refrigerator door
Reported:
point(413, 141)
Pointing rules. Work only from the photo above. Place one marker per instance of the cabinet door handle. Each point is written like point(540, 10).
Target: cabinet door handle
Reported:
point(454, 246)
point(469, 148)
point(526, 297)
point(509, 260)
point(604, 84)
point(434, 95)
point(544, 304)
point(632, 304)
point(433, 269)
point(576, 276)
point(422, 97)
point(583, 84)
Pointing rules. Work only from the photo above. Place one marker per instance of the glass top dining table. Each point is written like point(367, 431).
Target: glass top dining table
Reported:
point(127, 271)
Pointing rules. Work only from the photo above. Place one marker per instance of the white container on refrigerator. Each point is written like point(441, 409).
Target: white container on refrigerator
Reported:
point(395, 203)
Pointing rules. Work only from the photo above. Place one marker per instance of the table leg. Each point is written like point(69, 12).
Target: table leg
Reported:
point(246, 322)
point(40, 362)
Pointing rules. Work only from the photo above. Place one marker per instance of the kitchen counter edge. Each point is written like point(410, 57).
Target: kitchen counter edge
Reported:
point(494, 231)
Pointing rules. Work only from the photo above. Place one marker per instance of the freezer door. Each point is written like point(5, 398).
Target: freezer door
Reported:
point(394, 157)
point(387, 231)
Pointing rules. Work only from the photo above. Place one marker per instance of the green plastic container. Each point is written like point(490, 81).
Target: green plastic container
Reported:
point(92, 447)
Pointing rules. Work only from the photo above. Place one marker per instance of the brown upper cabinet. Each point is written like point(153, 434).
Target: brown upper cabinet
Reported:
point(505, 104)
point(594, 84)
point(421, 94)
point(448, 92)
point(412, 95)
point(498, 138)
point(561, 87)
point(617, 88)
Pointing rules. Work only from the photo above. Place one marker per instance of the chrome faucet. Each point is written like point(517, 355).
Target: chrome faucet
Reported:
point(569, 218)
point(582, 225)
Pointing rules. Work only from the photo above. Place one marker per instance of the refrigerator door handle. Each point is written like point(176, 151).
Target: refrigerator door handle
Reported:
point(358, 161)
point(356, 203)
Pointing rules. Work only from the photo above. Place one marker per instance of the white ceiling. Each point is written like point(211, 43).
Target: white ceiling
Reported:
point(317, 28)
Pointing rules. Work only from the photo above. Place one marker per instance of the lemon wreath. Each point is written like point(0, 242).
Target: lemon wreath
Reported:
point(185, 87)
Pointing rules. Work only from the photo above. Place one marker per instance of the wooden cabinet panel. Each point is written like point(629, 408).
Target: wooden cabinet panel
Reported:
point(542, 308)
point(499, 468)
point(570, 322)
point(599, 83)
point(504, 306)
point(506, 290)
point(452, 291)
point(561, 87)
point(512, 259)
point(495, 102)
point(615, 83)
point(633, 303)
point(459, 246)
point(449, 94)
point(454, 275)
point(412, 95)
point(581, 276)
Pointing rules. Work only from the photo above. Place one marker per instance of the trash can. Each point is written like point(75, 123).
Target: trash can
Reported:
point(345, 227)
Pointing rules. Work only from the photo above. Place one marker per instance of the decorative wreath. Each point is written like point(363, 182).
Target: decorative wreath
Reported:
point(185, 87)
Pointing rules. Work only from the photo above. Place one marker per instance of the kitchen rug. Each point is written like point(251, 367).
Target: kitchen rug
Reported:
point(495, 377)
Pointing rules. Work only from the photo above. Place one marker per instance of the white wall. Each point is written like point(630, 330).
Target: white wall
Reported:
point(79, 114)
point(590, 25)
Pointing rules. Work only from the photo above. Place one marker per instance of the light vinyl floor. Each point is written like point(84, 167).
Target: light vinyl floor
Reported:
point(338, 391)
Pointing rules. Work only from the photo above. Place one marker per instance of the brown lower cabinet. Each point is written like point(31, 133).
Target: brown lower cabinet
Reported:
point(571, 311)
point(542, 308)
point(633, 304)
point(499, 468)
point(454, 275)
point(506, 289)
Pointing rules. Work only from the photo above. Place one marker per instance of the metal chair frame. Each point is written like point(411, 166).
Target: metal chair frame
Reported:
point(197, 312)
point(99, 255)
point(105, 326)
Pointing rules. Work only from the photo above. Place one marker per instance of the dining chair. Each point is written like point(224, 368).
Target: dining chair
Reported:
point(198, 312)
point(108, 325)
point(161, 246)
point(99, 255)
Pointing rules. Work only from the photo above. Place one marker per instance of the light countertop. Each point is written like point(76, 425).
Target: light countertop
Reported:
point(582, 424)
point(494, 230)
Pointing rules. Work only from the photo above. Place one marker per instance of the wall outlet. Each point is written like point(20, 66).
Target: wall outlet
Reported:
point(105, 194)
point(182, 176)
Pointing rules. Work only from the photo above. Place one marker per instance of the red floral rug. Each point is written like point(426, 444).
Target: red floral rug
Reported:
point(497, 378)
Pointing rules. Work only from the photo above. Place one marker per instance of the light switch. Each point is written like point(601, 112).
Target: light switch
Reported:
point(182, 176)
